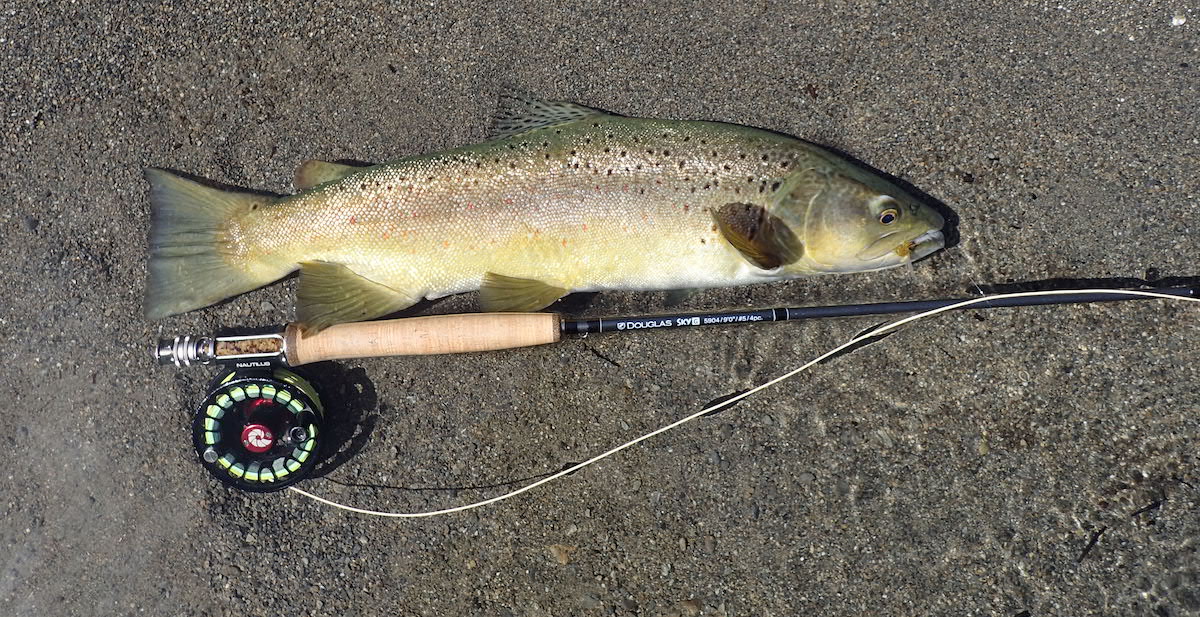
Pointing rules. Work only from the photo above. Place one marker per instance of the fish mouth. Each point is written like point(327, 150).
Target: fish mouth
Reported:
point(887, 248)
point(923, 245)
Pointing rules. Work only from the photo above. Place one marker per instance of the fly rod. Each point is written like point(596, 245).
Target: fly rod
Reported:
point(258, 427)
point(472, 332)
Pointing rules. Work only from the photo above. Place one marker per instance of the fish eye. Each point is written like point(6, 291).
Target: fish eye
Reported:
point(887, 217)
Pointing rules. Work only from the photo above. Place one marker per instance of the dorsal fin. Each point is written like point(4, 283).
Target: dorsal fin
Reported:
point(518, 114)
point(313, 172)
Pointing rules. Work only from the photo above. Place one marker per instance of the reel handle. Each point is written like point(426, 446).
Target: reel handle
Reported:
point(436, 334)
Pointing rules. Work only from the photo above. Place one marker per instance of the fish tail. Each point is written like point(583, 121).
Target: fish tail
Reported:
point(194, 259)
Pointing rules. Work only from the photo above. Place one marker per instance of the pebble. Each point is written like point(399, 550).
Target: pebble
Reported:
point(266, 306)
point(589, 600)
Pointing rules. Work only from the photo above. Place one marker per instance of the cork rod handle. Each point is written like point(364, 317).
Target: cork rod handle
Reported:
point(435, 334)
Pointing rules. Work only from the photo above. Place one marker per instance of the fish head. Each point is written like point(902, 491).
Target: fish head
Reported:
point(850, 220)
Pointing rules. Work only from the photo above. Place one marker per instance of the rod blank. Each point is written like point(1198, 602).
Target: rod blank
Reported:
point(614, 324)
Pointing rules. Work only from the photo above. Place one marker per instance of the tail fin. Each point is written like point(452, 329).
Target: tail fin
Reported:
point(192, 254)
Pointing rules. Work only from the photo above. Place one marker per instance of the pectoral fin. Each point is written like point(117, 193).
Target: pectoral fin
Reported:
point(313, 172)
point(508, 293)
point(330, 293)
point(762, 238)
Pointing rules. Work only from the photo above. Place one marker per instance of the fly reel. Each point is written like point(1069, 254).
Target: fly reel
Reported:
point(258, 429)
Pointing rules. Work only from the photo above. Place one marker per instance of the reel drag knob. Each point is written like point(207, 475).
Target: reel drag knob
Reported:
point(257, 429)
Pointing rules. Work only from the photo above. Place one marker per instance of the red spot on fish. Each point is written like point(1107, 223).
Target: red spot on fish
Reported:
point(686, 207)
point(470, 206)
point(446, 244)
point(352, 221)
point(564, 242)
point(585, 226)
point(386, 236)
point(597, 188)
point(508, 201)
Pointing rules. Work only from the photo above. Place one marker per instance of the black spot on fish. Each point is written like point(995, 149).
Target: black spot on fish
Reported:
point(775, 186)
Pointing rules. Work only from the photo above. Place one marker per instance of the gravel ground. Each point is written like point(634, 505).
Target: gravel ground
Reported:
point(1012, 462)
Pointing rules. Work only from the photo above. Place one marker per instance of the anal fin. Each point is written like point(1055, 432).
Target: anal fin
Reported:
point(509, 293)
point(313, 172)
point(330, 293)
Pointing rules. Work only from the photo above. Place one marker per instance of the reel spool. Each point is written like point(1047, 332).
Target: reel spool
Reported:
point(257, 430)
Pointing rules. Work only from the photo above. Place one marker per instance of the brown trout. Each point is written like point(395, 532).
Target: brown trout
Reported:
point(564, 199)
